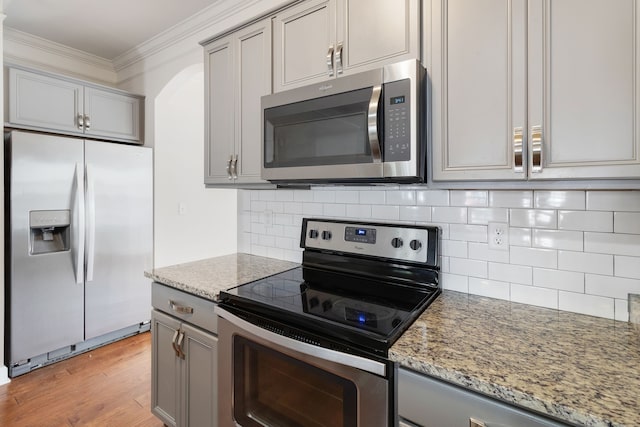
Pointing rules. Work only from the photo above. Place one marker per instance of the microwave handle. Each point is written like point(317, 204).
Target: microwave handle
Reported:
point(372, 123)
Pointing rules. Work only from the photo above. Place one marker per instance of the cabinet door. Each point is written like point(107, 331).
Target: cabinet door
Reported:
point(253, 59)
point(476, 60)
point(200, 366)
point(219, 111)
point(42, 102)
point(583, 92)
point(304, 44)
point(372, 33)
point(111, 115)
point(165, 369)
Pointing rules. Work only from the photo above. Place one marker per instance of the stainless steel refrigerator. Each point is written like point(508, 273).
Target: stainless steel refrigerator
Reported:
point(78, 239)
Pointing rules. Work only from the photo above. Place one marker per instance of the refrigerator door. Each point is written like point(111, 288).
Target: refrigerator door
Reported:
point(119, 236)
point(46, 289)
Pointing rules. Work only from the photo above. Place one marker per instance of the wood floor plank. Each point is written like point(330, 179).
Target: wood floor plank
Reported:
point(106, 387)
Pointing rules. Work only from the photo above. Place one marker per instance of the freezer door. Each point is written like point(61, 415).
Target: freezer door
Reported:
point(119, 236)
point(45, 263)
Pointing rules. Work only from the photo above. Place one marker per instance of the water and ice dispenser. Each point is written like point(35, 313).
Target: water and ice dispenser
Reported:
point(49, 231)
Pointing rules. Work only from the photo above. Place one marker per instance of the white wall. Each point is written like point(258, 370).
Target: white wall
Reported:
point(570, 250)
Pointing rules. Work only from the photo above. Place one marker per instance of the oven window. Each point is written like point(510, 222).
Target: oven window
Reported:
point(324, 131)
point(273, 389)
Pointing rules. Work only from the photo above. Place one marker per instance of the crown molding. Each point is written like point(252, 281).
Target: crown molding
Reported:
point(190, 27)
point(50, 47)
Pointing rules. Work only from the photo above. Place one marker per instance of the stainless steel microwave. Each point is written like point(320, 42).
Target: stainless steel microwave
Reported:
point(367, 127)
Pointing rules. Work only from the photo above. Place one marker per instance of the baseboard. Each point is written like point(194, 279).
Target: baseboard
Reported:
point(4, 377)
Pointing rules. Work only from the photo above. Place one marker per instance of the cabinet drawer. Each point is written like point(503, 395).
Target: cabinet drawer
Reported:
point(184, 306)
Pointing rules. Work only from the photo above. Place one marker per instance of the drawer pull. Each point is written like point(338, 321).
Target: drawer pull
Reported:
point(182, 309)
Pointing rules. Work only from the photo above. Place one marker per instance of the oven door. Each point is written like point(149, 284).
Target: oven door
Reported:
point(267, 380)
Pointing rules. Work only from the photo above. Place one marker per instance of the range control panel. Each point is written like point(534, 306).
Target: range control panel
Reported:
point(397, 241)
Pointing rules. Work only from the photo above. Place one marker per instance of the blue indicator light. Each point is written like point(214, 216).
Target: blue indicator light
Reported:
point(362, 318)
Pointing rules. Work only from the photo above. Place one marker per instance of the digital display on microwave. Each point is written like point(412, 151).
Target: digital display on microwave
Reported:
point(361, 231)
point(397, 100)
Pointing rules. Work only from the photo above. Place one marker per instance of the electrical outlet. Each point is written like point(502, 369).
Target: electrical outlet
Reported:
point(498, 235)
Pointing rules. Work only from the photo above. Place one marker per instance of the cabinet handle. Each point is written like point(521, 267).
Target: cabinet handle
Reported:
point(179, 346)
point(80, 121)
point(173, 343)
point(372, 124)
point(87, 122)
point(475, 423)
point(229, 176)
point(339, 58)
point(518, 138)
point(536, 149)
point(234, 166)
point(182, 309)
point(330, 61)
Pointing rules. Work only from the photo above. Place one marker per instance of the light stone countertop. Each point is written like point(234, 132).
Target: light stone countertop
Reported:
point(207, 277)
point(581, 369)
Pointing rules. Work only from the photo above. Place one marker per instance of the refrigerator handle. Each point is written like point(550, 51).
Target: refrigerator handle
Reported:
point(91, 223)
point(78, 213)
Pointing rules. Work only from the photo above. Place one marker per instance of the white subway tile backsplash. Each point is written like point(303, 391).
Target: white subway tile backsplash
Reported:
point(621, 307)
point(534, 257)
point(453, 248)
point(586, 304)
point(626, 222)
point(455, 282)
point(511, 199)
point(627, 266)
point(468, 267)
point(387, 212)
point(608, 286)
point(519, 236)
point(487, 215)
point(575, 200)
point(415, 213)
point(373, 197)
point(585, 262)
point(451, 215)
point(533, 218)
point(511, 273)
point(470, 233)
point(358, 211)
point(432, 197)
point(347, 196)
point(612, 243)
point(558, 239)
point(541, 297)
point(571, 281)
point(481, 251)
point(585, 221)
point(564, 245)
point(489, 288)
point(468, 198)
point(628, 201)
point(401, 197)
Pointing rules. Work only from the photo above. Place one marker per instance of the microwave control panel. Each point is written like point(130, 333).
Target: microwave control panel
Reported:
point(397, 121)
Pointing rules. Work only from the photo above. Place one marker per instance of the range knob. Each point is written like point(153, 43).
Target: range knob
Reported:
point(313, 234)
point(327, 305)
point(313, 302)
point(415, 244)
point(396, 242)
point(326, 235)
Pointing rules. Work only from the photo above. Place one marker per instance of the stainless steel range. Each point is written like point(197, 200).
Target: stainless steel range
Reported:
point(308, 347)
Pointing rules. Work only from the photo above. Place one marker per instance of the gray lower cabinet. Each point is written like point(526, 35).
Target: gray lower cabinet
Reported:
point(184, 361)
point(428, 402)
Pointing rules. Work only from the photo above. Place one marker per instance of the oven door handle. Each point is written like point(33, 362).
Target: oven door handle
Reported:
point(351, 360)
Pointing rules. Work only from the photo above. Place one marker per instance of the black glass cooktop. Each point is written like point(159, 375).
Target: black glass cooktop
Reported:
point(364, 311)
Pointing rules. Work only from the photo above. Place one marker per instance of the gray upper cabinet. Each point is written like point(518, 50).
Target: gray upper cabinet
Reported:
point(47, 102)
point(537, 90)
point(317, 40)
point(238, 73)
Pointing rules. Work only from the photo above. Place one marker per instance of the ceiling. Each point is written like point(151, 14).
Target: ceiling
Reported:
point(105, 28)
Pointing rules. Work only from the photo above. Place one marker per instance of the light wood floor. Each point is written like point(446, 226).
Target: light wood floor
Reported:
point(110, 387)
